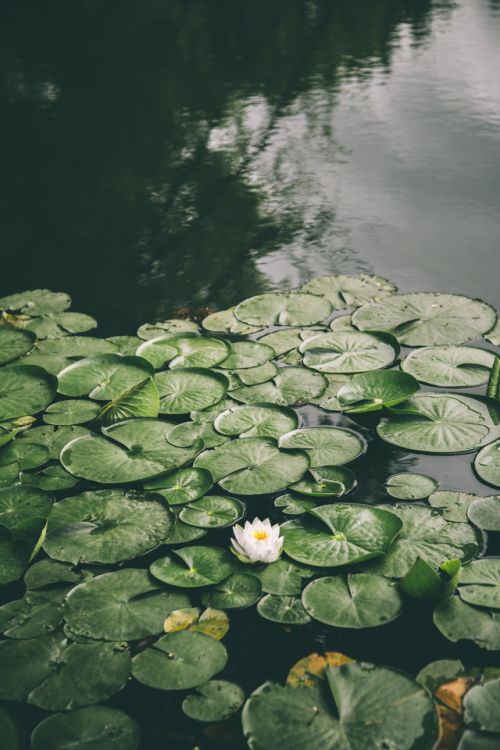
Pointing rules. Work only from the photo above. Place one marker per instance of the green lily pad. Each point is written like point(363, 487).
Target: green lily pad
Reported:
point(106, 526)
point(184, 350)
point(427, 318)
point(325, 446)
point(213, 512)
point(14, 343)
point(484, 512)
point(223, 321)
point(253, 466)
point(25, 389)
point(36, 302)
point(375, 706)
point(49, 572)
point(23, 510)
point(459, 621)
point(70, 411)
point(14, 555)
point(125, 345)
point(75, 347)
point(453, 505)
point(103, 377)
point(293, 504)
point(359, 600)
point(236, 592)
point(54, 674)
point(27, 455)
point(340, 534)
point(189, 434)
point(180, 661)
point(287, 610)
point(138, 449)
point(326, 481)
point(372, 391)
point(347, 352)
point(140, 400)
point(189, 389)
point(423, 581)
point(482, 707)
point(172, 327)
point(328, 400)
point(487, 464)
point(54, 438)
point(180, 532)
point(435, 423)
point(349, 291)
point(450, 366)
point(192, 567)
point(292, 385)
point(256, 420)
point(245, 354)
point(216, 700)
point(286, 339)
point(283, 577)
point(37, 613)
point(126, 605)
point(342, 323)
point(284, 309)
point(425, 534)
point(181, 486)
point(256, 375)
point(93, 728)
point(53, 325)
point(480, 583)
point(408, 486)
point(50, 479)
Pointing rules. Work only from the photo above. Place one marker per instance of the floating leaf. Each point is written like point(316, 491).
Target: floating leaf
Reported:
point(179, 661)
point(427, 318)
point(372, 391)
point(106, 526)
point(459, 621)
point(293, 504)
point(125, 345)
point(283, 309)
point(213, 512)
point(480, 583)
point(408, 486)
point(51, 479)
point(212, 622)
point(192, 567)
point(349, 291)
point(454, 505)
point(184, 350)
point(125, 605)
point(181, 486)
point(325, 446)
point(487, 464)
point(311, 669)
point(256, 375)
point(189, 434)
point(189, 389)
point(181, 619)
point(37, 613)
point(180, 532)
point(256, 420)
point(287, 610)
point(423, 581)
point(348, 352)
point(283, 578)
point(484, 512)
point(70, 411)
point(361, 600)
point(173, 326)
point(140, 400)
point(36, 302)
point(238, 591)
point(54, 438)
point(253, 466)
point(223, 321)
point(340, 534)
point(25, 454)
point(87, 729)
point(23, 510)
point(292, 385)
point(53, 325)
point(326, 481)
point(50, 572)
point(14, 343)
point(482, 707)
point(216, 700)
point(25, 389)
point(103, 377)
point(285, 340)
point(245, 354)
point(450, 366)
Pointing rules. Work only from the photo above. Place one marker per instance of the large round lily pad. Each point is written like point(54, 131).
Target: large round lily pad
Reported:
point(25, 389)
point(372, 391)
point(216, 700)
point(450, 366)
point(14, 343)
point(103, 377)
point(213, 512)
point(253, 466)
point(191, 567)
point(487, 464)
point(325, 446)
point(284, 309)
point(345, 352)
point(458, 621)
point(180, 661)
point(184, 350)
point(92, 728)
point(126, 605)
point(362, 600)
point(435, 423)
point(189, 389)
point(292, 385)
point(256, 420)
point(340, 534)
point(427, 318)
point(106, 526)
point(349, 291)
point(283, 577)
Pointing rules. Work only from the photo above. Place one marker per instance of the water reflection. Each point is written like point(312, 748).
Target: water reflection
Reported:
point(172, 153)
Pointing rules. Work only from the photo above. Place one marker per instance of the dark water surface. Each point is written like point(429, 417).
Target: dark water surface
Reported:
point(157, 154)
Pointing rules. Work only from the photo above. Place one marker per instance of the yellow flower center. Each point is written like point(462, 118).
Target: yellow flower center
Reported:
point(260, 535)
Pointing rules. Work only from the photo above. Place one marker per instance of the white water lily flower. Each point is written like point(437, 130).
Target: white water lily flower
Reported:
point(258, 541)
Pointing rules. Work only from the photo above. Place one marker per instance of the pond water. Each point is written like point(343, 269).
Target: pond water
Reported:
point(177, 154)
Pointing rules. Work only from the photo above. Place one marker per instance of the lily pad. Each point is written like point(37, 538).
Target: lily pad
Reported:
point(238, 591)
point(253, 466)
point(340, 534)
point(49, 572)
point(423, 581)
point(189, 389)
point(50, 479)
point(287, 610)
point(284, 340)
point(256, 375)
point(347, 352)
point(245, 354)
point(140, 400)
point(23, 510)
point(125, 345)
point(103, 377)
point(427, 318)
point(192, 567)
point(180, 532)
point(184, 350)
point(54, 674)
point(408, 486)
point(481, 707)
point(70, 411)
point(480, 583)
point(106, 526)
point(256, 420)
point(25, 454)
point(54, 438)
point(181, 486)
point(25, 389)
point(223, 321)
point(425, 534)
point(179, 661)
point(326, 481)
point(283, 578)
point(325, 446)
point(328, 400)
point(487, 464)
point(435, 423)
point(187, 434)
point(349, 291)
point(293, 504)
point(173, 326)
point(126, 605)
point(450, 366)
point(216, 700)
point(459, 621)
point(36, 302)
point(53, 325)
point(373, 391)
point(453, 505)
point(284, 309)
point(292, 385)
point(37, 613)
point(359, 600)
point(14, 343)
point(93, 728)
point(484, 512)
point(213, 512)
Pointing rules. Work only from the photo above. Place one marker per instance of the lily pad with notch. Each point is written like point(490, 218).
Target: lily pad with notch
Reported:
point(349, 291)
point(487, 464)
point(14, 343)
point(238, 591)
point(287, 610)
point(213, 512)
point(189, 389)
point(181, 486)
point(292, 385)
point(184, 350)
point(325, 446)
point(284, 309)
point(256, 420)
point(409, 486)
point(192, 567)
point(103, 377)
point(450, 366)
point(372, 391)
point(348, 352)
point(87, 729)
point(216, 700)
point(25, 389)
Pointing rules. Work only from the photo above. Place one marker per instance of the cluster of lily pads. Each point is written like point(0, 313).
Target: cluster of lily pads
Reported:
point(118, 455)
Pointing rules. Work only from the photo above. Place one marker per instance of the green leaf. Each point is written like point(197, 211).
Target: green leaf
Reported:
point(246, 354)
point(87, 729)
point(346, 352)
point(180, 532)
point(51, 479)
point(493, 389)
point(482, 707)
point(140, 400)
point(173, 326)
point(213, 512)
point(283, 578)
point(37, 613)
point(408, 486)
point(27, 455)
point(256, 420)
point(184, 350)
point(287, 610)
point(372, 391)
point(454, 505)
point(480, 583)
point(349, 291)
point(54, 325)
point(189, 389)
point(362, 600)
point(36, 302)
point(487, 464)
point(293, 504)
point(181, 486)
point(256, 375)
point(180, 661)
point(14, 343)
point(223, 321)
point(326, 481)
point(423, 581)
point(325, 446)
point(450, 366)
point(70, 411)
point(216, 700)
point(285, 340)
point(484, 512)
point(191, 567)
point(238, 591)
point(459, 621)
point(103, 377)
point(25, 389)
point(292, 385)
point(283, 309)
